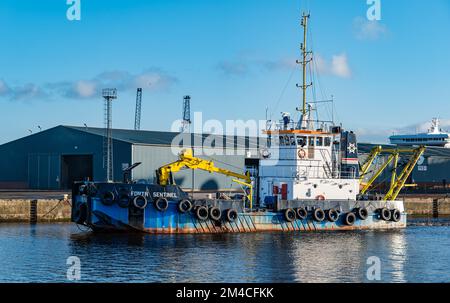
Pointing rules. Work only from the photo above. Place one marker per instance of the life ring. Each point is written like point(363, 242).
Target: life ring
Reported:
point(108, 198)
point(215, 213)
point(301, 213)
point(318, 215)
point(396, 215)
point(140, 202)
point(184, 206)
point(350, 219)
point(202, 213)
point(124, 200)
point(301, 153)
point(332, 215)
point(161, 204)
point(232, 215)
point(385, 214)
point(320, 198)
point(289, 215)
point(361, 213)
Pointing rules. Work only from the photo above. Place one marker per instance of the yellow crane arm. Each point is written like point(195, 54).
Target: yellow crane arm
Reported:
point(377, 174)
point(187, 160)
point(398, 182)
point(372, 156)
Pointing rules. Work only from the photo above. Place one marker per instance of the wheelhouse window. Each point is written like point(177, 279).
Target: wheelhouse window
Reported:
point(319, 141)
point(311, 141)
point(286, 140)
point(301, 141)
point(327, 141)
point(292, 140)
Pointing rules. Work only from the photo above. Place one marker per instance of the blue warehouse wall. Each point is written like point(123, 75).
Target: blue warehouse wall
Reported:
point(35, 161)
point(432, 170)
point(153, 157)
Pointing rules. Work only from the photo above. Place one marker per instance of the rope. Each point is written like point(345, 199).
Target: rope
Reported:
point(59, 202)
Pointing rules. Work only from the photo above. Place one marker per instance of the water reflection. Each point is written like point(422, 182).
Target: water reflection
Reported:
point(398, 255)
point(39, 253)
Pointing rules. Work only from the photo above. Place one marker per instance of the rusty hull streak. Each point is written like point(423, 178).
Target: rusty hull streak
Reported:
point(380, 225)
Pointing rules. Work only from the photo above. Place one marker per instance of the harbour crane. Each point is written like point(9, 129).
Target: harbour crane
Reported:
point(137, 116)
point(187, 160)
point(398, 181)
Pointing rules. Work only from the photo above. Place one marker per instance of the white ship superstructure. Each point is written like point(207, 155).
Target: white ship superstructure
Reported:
point(310, 165)
point(434, 137)
point(305, 162)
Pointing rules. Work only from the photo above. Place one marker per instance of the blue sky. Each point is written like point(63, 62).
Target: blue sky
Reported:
point(234, 57)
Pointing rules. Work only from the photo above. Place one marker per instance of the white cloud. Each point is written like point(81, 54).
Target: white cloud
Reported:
point(27, 92)
point(4, 88)
point(372, 135)
point(368, 30)
point(234, 68)
point(337, 66)
point(85, 89)
point(422, 127)
point(278, 64)
point(152, 79)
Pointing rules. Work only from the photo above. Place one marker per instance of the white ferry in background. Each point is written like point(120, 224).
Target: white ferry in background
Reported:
point(434, 137)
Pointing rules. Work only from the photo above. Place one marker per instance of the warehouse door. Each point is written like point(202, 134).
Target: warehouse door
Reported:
point(43, 171)
point(75, 168)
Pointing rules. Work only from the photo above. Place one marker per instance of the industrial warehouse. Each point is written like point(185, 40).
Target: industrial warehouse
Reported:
point(55, 158)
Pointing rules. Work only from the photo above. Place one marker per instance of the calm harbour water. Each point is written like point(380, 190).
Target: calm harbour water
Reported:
point(39, 253)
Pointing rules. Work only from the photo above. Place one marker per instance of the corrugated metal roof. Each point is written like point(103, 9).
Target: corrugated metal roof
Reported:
point(145, 137)
point(430, 151)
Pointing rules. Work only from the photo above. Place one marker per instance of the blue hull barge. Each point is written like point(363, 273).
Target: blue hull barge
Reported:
point(145, 208)
point(309, 178)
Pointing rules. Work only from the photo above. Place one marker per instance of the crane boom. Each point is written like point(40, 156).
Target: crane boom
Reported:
point(187, 160)
point(398, 181)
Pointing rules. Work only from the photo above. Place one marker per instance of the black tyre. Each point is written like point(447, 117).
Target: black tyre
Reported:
point(289, 215)
point(184, 206)
point(318, 215)
point(202, 213)
point(385, 214)
point(161, 204)
point(215, 213)
point(349, 219)
point(82, 190)
point(91, 190)
point(231, 215)
point(140, 202)
point(332, 215)
point(108, 198)
point(124, 201)
point(396, 215)
point(80, 214)
point(301, 213)
point(362, 213)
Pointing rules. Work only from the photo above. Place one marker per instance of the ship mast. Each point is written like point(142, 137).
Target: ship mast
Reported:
point(304, 120)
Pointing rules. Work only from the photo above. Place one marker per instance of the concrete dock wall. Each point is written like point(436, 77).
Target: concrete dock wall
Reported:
point(426, 205)
point(54, 210)
point(19, 210)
